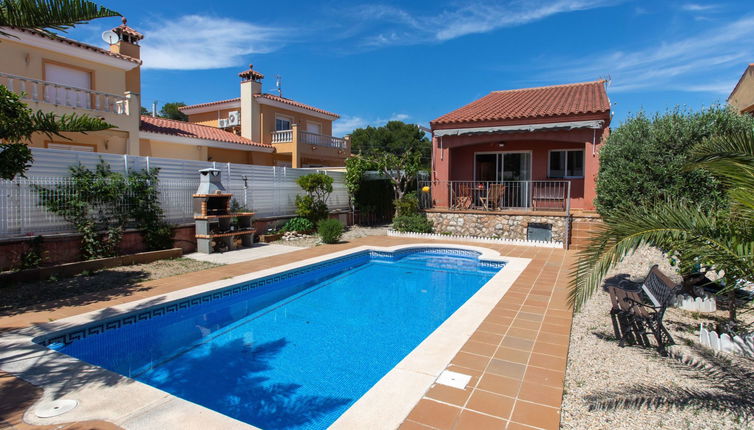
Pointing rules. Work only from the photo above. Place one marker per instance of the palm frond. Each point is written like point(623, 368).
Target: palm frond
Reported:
point(51, 124)
point(46, 15)
point(668, 226)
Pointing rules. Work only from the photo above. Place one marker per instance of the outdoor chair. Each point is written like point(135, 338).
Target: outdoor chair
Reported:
point(494, 195)
point(638, 309)
point(462, 198)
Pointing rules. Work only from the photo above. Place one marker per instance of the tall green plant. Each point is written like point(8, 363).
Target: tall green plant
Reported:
point(100, 204)
point(313, 205)
point(722, 241)
point(44, 15)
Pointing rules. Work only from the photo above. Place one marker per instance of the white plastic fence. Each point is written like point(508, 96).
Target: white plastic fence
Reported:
point(739, 345)
point(268, 191)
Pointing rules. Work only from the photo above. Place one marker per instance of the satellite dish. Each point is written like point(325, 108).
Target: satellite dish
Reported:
point(110, 37)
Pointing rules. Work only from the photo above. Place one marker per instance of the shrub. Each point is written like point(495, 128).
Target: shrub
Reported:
point(330, 230)
point(644, 160)
point(417, 223)
point(298, 224)
point(313, 205)
point(408, 205)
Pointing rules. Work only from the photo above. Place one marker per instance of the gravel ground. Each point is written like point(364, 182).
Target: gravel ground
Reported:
point(608, 387)
point(353, 232)
point(14, 298)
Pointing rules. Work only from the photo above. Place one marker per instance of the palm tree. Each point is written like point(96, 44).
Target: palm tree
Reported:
point(723, 240)
point(17, 122)
point(46, 15)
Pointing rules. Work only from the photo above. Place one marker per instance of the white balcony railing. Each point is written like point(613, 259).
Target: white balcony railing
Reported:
point(321, 140)
point(62, 95)
point(282, 136)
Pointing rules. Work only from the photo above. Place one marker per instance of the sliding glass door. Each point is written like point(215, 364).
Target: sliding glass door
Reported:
point(511, 168)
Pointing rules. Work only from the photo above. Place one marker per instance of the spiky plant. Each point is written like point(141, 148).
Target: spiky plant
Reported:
point(723, 240)
point(46, 15)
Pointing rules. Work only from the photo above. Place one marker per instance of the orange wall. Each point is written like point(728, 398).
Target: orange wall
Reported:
point(210, 118)
point(268, 121)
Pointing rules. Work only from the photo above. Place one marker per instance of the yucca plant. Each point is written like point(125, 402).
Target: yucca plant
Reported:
point(719, 240)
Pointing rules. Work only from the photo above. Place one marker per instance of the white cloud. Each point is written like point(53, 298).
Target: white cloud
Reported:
point(695, 7)
point(399, 27)
point(194, 42)
point(346, 124)
point(696, 63)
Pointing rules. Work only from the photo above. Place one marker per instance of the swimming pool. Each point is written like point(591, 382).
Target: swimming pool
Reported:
point(290, 350)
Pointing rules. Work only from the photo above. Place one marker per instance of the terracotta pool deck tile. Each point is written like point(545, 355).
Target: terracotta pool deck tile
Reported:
point(469, 420)
point(411, 425)
point(547, 361)
point(525, 324)
point(479, 348)
point(471, 361)
point(518, 426)
point(556, 329)
point(505, 368)
point(550, 349)
point(494, 328)
point(446, 394)
point(550, 378)
point(514, 355)
point(523, 333)
point(491, 404)
point(486, 337)
point(434, 414)
point(536, 415)
point(499, 385)
point(542, 394)
point(517, 343)
point(557, 339)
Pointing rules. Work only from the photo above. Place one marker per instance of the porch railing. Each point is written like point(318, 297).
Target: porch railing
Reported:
point(62, 95)
point(497, 195)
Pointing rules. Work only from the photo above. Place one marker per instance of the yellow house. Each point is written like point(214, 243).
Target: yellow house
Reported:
point(742, 96)
point(300, 134)
point(65, 76)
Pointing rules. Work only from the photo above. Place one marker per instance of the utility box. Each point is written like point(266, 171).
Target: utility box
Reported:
point(539, 232)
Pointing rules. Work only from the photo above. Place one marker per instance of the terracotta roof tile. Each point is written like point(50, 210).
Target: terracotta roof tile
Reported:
point(186, 129)
point(295, 103)
point(125, 29)
point(251, 74)
point(525, 103)
point(237, 99)
point(78, 44)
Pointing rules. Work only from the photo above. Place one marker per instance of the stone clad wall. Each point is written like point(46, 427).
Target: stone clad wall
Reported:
point(495, 225)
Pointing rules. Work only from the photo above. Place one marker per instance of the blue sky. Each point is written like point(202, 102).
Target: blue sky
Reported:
point(414, 61)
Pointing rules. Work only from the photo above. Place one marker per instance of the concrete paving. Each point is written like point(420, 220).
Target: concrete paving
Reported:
point(259, 250)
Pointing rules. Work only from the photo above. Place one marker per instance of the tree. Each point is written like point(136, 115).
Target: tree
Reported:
point(144, 111)
point(705, 238)
point(170, 111)
point(395, 137)
point(46, 15)
point(313, 205)
point(643, 160)
point(18, 123)
point(398, 150)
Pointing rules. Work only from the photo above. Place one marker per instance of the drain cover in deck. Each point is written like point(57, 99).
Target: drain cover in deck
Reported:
point(54, 408)
point(453, 379)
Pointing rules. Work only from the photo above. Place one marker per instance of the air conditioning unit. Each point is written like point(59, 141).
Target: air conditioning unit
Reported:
point(223, 123)
point(234, 118)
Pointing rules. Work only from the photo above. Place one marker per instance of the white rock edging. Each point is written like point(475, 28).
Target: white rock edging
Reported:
point(537, 243)
point(724, 343)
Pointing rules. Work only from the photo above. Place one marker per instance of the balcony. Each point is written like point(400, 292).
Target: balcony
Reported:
point(61, 95)
point(500, 196)
point(308, 138)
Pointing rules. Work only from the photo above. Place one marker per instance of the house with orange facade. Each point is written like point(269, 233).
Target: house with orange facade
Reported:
point(742, 96)
point(519, 164)
point(300, 134)
point(64, 76)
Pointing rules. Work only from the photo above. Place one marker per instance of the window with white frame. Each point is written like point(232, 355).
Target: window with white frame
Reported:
point(282, 123)
point(566, 163)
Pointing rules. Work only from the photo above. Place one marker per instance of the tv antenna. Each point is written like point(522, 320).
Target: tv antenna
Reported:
point(279, 84)
point(110, 37)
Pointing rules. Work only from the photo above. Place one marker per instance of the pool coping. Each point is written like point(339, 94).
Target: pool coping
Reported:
point(142, 406)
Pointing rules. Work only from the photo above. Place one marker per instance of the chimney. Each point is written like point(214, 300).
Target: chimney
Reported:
point(128, 44)
point(251, 86)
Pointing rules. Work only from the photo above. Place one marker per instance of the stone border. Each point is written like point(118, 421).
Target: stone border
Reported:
point(435, 236)
point(72, 269)
point(135, 405)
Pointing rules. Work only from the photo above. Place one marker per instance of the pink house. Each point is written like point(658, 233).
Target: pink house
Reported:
point(527, 152)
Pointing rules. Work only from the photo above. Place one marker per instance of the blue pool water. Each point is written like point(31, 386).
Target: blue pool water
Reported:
point(294, 351)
